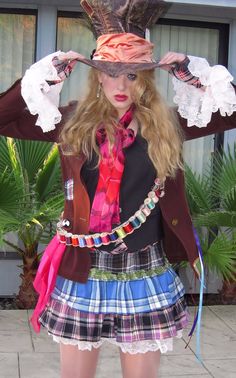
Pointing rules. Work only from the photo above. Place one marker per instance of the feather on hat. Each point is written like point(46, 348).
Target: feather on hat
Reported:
point(119, 26)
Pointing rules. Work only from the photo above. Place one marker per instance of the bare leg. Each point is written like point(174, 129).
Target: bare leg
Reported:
point(76, 363)
point(140, 365)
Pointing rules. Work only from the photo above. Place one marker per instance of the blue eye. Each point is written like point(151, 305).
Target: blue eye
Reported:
point(131, 76)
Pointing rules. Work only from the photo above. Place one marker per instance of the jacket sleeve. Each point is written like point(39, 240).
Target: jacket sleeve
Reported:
point(218, 124)
point(17, 122)
point(205, 97)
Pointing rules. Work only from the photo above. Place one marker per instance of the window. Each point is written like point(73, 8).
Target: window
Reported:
point(209, 40)
point(17, 44)
point(73, 34)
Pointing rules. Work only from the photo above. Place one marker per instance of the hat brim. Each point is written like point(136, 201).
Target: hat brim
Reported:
point(118, 68)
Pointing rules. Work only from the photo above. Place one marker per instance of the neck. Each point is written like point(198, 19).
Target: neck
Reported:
point(122, 112)
point(134, 126)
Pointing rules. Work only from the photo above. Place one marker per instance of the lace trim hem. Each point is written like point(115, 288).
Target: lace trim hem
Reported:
point(197, 105)
point(142, 346)
point(39, 95)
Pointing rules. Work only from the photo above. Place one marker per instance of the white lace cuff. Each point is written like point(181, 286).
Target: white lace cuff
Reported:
point(40, 97)
point(197, 104)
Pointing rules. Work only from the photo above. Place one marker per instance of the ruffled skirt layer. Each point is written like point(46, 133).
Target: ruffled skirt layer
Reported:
point(137, 308)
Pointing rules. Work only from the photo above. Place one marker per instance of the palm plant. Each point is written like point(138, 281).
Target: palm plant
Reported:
point(30, 201)
point(212, 201)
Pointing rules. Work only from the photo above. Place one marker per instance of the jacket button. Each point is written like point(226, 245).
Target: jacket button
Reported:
point(66, 223)
point(174, 222)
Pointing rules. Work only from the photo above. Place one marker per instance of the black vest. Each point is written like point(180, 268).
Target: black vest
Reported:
point(137, 180)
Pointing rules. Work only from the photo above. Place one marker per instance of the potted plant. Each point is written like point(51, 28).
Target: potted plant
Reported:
point(31, 200)
point(212, 201)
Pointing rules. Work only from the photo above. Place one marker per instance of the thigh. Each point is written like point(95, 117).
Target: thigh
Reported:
point(78, 363)
point(140, 365)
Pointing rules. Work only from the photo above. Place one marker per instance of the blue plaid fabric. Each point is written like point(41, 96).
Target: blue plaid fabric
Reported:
point(121, 297)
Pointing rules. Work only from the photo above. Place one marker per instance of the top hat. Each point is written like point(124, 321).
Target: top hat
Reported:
point(120, 26)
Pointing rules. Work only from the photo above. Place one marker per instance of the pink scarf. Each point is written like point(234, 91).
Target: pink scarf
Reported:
point(105, 207)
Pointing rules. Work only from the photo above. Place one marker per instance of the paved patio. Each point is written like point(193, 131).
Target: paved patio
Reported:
point(23, 354)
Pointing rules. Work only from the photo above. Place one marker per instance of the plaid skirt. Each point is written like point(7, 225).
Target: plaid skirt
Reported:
point(132, 299)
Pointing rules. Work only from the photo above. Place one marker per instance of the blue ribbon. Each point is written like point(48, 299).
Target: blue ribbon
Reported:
point(197, 320)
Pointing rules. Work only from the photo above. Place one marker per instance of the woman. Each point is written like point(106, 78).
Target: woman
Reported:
point(106, 275)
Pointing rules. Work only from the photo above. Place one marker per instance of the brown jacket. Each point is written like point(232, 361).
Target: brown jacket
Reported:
point(17, 122)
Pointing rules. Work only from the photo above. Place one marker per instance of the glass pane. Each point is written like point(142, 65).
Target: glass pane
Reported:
point(17, 46)
point(191, 41)
point(73, 34)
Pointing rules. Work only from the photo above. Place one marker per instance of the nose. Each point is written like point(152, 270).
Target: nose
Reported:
point(121, 82)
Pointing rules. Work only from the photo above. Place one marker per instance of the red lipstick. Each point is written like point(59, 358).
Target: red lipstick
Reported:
point(120, 97)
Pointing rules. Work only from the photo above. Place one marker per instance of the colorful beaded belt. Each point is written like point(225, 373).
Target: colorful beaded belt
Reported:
point(119, 232)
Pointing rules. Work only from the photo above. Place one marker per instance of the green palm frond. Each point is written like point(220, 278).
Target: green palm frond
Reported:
point(198, 192)
point(41, 220)
point(15, 164)
point(221, 255)
point(224, 177)
point(48, 176)
point(46, 234)
point(32, 155)
point(5, 159)
point(10, 193)
point(53, 206)
point(216, 218)
point(29, 187)
point(8, 222)
point(212, 201)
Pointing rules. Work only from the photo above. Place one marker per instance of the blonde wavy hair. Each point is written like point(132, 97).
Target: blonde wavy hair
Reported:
point(158, 124)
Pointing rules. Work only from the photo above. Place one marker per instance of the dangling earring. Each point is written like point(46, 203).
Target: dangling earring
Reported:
point(99, 90)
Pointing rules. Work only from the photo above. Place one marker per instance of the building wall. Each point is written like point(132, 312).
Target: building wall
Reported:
point(201, 10)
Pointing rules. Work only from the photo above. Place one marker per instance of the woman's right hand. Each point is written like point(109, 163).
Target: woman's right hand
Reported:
point(70, 56)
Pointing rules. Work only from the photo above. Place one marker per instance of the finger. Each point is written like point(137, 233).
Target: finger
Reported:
point(73, 63)
point(73, 55)
point(62, 56)
point(167, 58)
point(172, 58)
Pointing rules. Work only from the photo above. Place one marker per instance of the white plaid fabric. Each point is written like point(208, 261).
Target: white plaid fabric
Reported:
point(148, 258)
point(69, 189)
point(65, 322)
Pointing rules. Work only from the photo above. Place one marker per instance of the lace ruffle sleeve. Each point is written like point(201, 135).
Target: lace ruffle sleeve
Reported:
point(40, 95)
point(196, 103)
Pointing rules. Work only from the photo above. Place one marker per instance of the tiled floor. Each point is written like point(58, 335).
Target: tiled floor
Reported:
point(23, 354)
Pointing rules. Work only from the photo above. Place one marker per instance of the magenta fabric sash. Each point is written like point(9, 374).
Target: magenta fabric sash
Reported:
point(46, 277)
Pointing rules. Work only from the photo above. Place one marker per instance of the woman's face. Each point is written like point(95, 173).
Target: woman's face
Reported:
point(118, 90)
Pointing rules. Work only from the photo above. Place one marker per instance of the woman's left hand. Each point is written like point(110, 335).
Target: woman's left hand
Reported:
point(172, 58)
point(65, 63)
